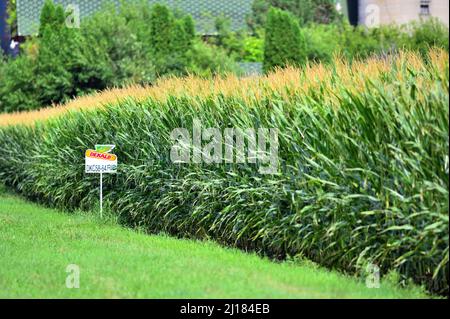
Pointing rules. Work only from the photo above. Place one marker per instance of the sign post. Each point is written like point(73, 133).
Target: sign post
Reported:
point(101, 195)
point(100, 161)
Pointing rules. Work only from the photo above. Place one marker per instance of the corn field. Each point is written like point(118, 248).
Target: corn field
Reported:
point(363, 172)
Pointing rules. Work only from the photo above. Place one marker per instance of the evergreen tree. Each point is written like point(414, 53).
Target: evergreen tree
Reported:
point(189, 28)
point(52, 16)
point(162, 24)
point(180, 39)
point(283, 42)
point(170, 40)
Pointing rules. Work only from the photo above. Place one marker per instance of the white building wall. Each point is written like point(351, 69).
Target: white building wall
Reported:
point(373, 12)
point(439, 9)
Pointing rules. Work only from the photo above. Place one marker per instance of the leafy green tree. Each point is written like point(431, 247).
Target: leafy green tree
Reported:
point(284, 44)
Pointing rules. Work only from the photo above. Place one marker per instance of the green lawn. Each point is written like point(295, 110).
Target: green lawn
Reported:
point(37, 244)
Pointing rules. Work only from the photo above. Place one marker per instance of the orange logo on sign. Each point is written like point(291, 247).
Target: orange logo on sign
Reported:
point(99, 155)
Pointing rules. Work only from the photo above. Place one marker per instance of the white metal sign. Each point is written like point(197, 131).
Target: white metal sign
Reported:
point(100, 161)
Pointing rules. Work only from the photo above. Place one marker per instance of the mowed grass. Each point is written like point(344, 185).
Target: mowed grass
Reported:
point(37, 244)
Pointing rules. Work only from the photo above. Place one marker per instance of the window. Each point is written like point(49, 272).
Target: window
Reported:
point(425, 7)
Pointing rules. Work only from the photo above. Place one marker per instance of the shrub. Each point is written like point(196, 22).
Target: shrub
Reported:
point(363, 164)
point(429, 33)
point(253, 49)
point(119, 42)
point(305, 11)
point(230, 41)
point(208, 60)
point(284, 44)
point(323, 41)
point(357, 42)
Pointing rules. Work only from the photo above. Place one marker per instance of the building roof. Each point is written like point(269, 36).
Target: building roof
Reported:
point(203, 11)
